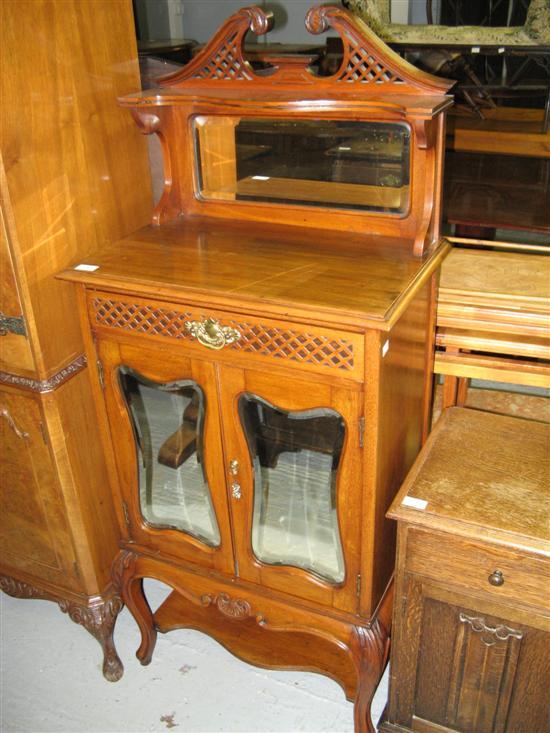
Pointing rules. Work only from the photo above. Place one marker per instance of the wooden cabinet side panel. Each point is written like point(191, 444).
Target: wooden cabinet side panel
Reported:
point(35, 537)
point(80, 464)
point(76, 166)
point(401, 398)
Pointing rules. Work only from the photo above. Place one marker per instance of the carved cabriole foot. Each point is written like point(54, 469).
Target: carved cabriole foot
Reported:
point(130, 586)
point(260, 628)
point(97, 617)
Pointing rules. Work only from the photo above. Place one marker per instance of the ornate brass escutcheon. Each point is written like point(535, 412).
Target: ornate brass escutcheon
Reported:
point(212, 334)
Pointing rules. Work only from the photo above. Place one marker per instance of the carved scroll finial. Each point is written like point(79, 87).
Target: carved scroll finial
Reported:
point(366, 58)
point(222, 58)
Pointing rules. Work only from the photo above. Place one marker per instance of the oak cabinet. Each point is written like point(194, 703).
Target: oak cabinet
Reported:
point(471, 631)
point(64, 157)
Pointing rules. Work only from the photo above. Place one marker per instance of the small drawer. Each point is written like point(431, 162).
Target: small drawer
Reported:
point(249, 338)
point(461, 562)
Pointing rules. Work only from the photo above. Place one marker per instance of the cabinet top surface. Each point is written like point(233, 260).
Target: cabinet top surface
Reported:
point(486, 472)
point(502, 275)
point(238, 264)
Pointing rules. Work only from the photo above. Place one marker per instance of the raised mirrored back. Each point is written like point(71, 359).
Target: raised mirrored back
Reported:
point(336, 163)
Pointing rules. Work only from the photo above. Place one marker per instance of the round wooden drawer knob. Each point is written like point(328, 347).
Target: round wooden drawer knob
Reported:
point(496, 578)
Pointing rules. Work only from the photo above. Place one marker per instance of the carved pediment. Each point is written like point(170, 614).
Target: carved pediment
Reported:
point(366, 61)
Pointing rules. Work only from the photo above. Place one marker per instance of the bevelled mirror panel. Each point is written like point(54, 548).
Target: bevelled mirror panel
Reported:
point(331, 163)
point(295, 457)
point(168, 424)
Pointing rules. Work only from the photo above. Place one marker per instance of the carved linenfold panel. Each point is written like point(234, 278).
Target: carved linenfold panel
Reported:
point(271, 341)
point(485, 660)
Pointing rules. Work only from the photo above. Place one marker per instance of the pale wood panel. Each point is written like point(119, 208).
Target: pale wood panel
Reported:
point(76, 448)
point(506, 276)
point(75, 164)
point(477, 488)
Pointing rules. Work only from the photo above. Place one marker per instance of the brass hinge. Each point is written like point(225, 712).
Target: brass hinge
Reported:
point(12, 324)
point(361, 431)
point(126, 514)
point(43, 433)
point(100, 373)
point(358, 584)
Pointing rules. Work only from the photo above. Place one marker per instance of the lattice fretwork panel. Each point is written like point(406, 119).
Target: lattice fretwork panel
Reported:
point(361, 66)
point(141, 318)
point(284, 343)
point(263, 340)
point(226, 63)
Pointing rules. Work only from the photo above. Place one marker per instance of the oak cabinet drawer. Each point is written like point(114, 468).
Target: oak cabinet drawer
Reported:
point(523, 579)
point(230, 336)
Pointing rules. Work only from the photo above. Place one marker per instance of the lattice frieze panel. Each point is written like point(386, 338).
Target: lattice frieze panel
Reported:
point(225, 63)
point(361, 66)
point(284, 343)
point(141, 318)
point(263, 340)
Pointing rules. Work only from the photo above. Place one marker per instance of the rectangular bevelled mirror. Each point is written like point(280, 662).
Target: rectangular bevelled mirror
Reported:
point(337, 164)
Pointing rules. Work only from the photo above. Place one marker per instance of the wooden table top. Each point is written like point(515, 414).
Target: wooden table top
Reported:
point(510, 276)
point(351, 280)
point(482, 472)
point(344, 278)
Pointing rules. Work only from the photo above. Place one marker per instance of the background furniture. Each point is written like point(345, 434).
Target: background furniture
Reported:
point(471, 628)
point(492, 320)
point(263, 387)
point(66, 185)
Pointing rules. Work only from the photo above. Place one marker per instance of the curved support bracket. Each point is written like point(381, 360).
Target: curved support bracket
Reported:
point(149, 123)
point(370, 647)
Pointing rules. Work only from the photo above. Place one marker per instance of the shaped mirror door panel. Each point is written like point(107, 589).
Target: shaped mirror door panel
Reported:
point(168, 423)
point(295, 457)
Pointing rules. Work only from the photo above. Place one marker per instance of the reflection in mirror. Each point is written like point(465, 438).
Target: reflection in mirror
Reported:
point(168, 424)
point(342, 164)
point(295, 457)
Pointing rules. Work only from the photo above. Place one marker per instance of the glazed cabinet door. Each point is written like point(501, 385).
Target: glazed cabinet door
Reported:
point(164, 420)
point(293, 464)
point(34, 536)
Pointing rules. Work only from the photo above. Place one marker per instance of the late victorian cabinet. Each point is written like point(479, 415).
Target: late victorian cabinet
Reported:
point(66, 184)
point(263, 350)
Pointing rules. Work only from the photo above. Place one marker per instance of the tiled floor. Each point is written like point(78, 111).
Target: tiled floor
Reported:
point(51, 681)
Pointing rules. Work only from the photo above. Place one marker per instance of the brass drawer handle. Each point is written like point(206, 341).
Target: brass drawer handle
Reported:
point(496, 578)
point(4, 412)
point(212, 334)
point(236, 491)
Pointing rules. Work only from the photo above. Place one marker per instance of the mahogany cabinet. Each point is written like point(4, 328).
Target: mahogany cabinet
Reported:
point(263, 350)
point(64, 166)
point(471, 633)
